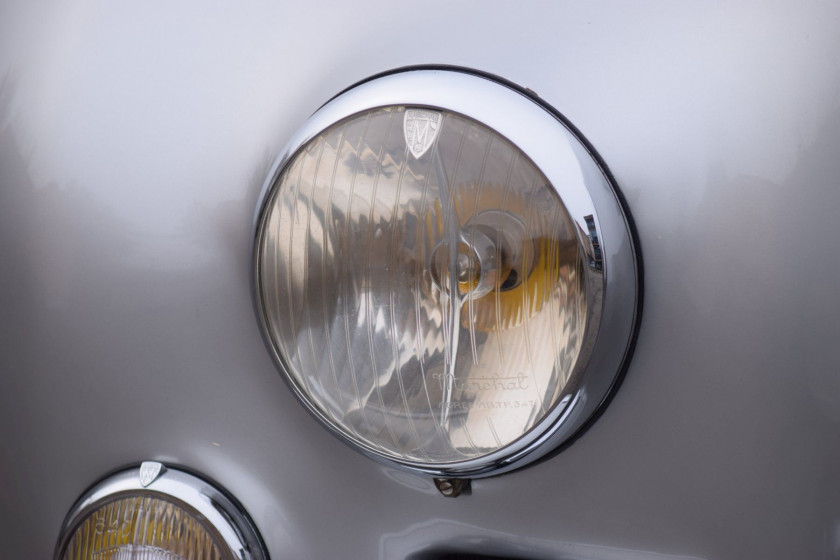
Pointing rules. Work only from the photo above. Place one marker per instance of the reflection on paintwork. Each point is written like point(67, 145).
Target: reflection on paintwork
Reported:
point(439, 538)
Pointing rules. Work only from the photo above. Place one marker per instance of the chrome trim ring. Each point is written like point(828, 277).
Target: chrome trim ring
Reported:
point(591, 200)
point(220, 511)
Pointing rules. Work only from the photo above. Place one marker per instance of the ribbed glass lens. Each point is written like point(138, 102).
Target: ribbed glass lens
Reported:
point(422, 283)
point(142, 526)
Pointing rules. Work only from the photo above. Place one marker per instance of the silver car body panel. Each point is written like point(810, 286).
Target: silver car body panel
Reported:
point(134, 139)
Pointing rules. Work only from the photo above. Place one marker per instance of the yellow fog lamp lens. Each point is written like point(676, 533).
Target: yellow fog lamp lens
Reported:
point(144, 525)
point(169, 516)
point(427, 288)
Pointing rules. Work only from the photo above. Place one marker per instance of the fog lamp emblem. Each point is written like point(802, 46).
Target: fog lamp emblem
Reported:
point(149, 471)
point(421, 128)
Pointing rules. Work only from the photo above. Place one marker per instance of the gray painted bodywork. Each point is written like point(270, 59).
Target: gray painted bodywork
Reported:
point(134, 140)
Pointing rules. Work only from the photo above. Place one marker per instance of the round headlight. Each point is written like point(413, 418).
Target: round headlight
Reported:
point(153, 513)
point(444, 273)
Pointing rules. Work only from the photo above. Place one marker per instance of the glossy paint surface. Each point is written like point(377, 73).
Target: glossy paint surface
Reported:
point(134, 140)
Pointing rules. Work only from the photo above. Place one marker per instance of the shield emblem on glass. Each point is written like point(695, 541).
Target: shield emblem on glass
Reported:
point(421, 127)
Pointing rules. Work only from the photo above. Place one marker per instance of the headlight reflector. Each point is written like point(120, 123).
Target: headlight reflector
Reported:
point(421, 281)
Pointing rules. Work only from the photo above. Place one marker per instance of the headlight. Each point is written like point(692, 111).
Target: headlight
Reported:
point(432, 268)
point(155, 514)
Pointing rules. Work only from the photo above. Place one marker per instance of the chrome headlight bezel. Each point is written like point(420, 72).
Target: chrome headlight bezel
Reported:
point(592, 201)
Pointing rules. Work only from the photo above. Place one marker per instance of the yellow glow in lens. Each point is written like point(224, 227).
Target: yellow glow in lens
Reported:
point(145, 526)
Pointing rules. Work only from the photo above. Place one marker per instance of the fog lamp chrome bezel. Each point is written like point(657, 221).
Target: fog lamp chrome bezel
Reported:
point(591, 200)
point(219, 510)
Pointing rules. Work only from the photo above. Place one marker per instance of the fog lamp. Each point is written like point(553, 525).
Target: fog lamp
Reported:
point(430, 273)
point(152, 513)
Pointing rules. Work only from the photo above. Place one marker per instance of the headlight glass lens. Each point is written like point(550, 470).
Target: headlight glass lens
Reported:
point(422, 284)
point(145, 526)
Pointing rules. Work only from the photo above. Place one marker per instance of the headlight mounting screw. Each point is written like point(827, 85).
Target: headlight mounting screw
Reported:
point(452, 487)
